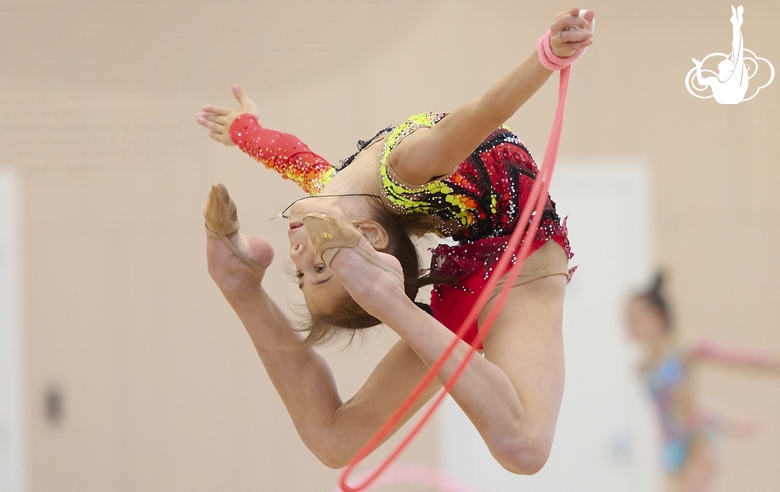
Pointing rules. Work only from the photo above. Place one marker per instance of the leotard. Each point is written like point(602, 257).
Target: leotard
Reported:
point(478, 205)
point(679, 427)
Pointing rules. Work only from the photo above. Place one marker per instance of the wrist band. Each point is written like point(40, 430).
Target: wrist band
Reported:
point(548, 59)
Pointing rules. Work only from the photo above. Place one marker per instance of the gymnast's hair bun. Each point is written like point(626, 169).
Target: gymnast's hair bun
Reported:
point(657, 286)
point(656, 296)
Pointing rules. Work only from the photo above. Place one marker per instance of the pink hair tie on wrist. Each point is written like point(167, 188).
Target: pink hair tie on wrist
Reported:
point(548, 59)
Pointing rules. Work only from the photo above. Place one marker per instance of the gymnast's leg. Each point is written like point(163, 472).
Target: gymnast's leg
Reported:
point(526, 342)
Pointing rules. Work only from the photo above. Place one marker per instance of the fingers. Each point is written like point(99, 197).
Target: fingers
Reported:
point(572, 37)
point(222, 120)
point(571, 20)
point(572, 31)
point(217, 129)
point(589, 16)
point(240, 96)
point(218, 119)
point(217, 110)
point(574, 11)
point(570, 23)
point(574, 46)
point(202, 121)
point(210, 123)
point(567, 43)
point(224, 116)
point(247, 105)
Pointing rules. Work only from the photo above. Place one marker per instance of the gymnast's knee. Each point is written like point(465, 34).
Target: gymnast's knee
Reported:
point(332, 459)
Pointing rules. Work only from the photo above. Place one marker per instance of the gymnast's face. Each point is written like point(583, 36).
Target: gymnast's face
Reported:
point(322, 289)
point(318, 283)
point(643, 320)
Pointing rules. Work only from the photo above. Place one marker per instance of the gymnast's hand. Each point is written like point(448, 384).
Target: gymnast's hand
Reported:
point(217, 119)
point(376, 290)
point(570, 32)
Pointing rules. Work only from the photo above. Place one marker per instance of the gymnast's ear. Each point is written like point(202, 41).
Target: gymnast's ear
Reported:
point(373, 232)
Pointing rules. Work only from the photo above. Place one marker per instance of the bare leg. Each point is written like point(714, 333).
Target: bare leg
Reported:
point(699, 470)
point(332, 428)
point(513, 394)
point(526, 342)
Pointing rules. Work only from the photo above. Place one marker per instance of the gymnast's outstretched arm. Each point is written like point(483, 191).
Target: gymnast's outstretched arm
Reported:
point(424, 155)
point(282, 152)
point(708, 351)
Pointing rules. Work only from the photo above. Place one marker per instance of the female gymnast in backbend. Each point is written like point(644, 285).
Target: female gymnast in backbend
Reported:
point(461, 175)
point(687, 453)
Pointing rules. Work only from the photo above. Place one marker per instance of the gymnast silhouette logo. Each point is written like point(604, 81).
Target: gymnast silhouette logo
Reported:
point(730, 84)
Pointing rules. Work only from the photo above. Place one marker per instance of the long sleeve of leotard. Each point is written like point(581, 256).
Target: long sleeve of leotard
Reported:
point(283, 153)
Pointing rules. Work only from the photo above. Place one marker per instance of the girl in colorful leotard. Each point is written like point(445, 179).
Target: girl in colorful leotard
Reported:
point(687, 452)
point(462, 176)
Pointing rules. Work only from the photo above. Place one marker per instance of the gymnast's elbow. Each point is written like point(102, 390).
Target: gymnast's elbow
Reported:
point(526, 457)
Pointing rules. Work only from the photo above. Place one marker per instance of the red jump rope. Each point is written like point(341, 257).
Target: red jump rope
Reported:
point(533, 211)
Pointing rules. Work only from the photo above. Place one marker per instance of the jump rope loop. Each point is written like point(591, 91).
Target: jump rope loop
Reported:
point(536, 203)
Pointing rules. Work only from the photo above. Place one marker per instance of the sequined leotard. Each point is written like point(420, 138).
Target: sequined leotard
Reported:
point(478, 205)
point(482, 198)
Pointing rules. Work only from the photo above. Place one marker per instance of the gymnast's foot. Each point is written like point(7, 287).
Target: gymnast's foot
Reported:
point(236, 262)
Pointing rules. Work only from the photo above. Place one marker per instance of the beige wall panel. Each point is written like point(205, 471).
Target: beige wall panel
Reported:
point(162, 389)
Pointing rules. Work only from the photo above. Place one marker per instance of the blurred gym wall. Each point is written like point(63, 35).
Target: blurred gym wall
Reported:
point(137, 375)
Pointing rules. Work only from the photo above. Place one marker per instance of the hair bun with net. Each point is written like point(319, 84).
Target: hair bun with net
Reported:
point(657, 287)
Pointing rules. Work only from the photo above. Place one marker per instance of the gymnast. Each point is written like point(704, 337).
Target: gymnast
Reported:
point(461, 175)
point(688, 453)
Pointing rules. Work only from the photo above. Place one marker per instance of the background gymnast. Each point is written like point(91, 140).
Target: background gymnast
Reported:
point(461, 175)
point(688, 433)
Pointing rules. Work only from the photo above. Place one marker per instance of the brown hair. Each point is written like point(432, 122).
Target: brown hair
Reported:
point(656, 298)
point(349, 316)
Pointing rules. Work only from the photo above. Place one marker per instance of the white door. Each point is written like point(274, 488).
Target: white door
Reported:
point(11, 450)
point(605, 436)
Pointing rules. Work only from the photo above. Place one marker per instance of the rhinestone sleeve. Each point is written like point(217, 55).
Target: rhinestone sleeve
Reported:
point(283, 153)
